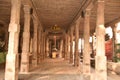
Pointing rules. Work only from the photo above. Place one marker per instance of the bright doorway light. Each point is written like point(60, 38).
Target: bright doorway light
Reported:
point(118, 26)
point(108, 31)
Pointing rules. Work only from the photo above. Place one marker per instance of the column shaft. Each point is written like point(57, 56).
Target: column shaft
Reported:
point(11, 69)
point(76, 54)
point(35, 44)
point(71, 45)
point(114, 39)
point(47, 47)
point(61, 48)
point(38, 56)
point(66, 47)
point(100, 59)
point(42, 44)
point(86, 52)
point(26, 41)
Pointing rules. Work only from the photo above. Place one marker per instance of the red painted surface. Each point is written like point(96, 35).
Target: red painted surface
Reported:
point(109, 49)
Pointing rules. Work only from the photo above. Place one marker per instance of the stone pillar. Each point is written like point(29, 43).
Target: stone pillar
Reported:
point(11, 69)
point(41, 54)
point(55, 41)
point(39, 40)
point(61, 48)
point(43, 46)
point(66, 46)
point(47, 47)
point(100, 58)
point(31, 50)
point(64, 49)
point(114, 39)
point(6, 37)
point(26, 41)
point(71, 45)
point(35, 44)
point(86, 50)
point(76, 53)
point(31, 45)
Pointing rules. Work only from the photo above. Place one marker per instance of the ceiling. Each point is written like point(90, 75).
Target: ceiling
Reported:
point(57, 12)
point(63, 13)
point(5, 11)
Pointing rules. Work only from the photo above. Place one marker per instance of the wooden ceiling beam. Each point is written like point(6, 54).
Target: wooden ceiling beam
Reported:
point(113, 22)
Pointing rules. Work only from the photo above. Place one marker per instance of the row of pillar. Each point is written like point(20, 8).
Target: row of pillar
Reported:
point(11, 71)
point(100, 58)
point(31, 46)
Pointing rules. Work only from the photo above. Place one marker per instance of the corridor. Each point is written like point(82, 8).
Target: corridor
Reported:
point(53, 69)
point(57, 69)
point(66, 31)
point(60, 69)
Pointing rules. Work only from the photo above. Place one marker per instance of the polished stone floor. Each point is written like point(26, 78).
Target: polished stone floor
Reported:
point(57, 69)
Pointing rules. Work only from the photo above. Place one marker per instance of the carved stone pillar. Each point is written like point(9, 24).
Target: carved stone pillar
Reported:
point(6, 37)
point(35, 44)
point(76, 54)
point(39, 40)
point(114, 39)
point(71, 45)
point(47, 47)
point(31, 51)
point(43, 46)
point(86, 51)
point(61, 48)
point(100, 58)
point(66, 46)
point(11, 70)
point(26, 41)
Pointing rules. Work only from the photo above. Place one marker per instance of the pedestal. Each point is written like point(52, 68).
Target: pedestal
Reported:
point(11, 67)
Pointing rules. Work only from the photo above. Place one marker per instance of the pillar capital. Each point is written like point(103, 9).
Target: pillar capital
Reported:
point(27, 9)
point(87, 12)
point(35, 23)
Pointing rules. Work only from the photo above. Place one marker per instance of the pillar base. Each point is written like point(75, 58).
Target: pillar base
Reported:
point(86, 68)
point(100, 68)
point(71, 61)
point(60, 55)
point(86, 77)
point(76, 63)
point(34, 62)
point(24, 63)
point(11, 70)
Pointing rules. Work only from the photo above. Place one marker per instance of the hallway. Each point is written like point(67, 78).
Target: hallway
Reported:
point(53, 69)
point(56, 69)
point(60, 69)
point(32, 30)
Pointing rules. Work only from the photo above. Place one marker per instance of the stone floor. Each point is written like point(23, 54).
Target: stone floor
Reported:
point(56, 69)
